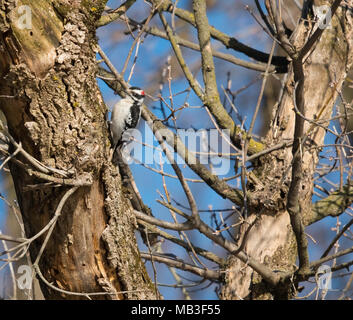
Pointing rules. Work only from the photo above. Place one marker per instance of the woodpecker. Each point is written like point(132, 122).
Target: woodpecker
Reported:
point(126, 114)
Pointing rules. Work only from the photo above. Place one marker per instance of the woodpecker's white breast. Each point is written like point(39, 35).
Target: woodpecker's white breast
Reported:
point(120, 113)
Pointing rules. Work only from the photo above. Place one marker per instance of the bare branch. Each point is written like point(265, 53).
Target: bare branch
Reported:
point(333, 205)
point(228, 42)
point(217, 54)
point(202, 252)
point(180, 264)
point(164, 224)
point(115, 14)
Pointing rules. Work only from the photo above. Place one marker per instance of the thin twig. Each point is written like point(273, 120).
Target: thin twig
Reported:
point(181, 264)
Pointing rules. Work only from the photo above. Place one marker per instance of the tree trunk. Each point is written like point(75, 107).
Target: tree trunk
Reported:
point(269, 237)
point(58, 115)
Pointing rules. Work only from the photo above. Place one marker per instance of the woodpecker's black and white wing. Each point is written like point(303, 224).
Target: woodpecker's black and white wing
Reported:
point(133, 119)
point(126, 114)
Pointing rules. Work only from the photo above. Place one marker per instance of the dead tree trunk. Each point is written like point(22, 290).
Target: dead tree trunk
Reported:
point(54, 109)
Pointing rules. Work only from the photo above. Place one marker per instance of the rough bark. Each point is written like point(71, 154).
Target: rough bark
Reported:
point(58, 115)
point(270, 237)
